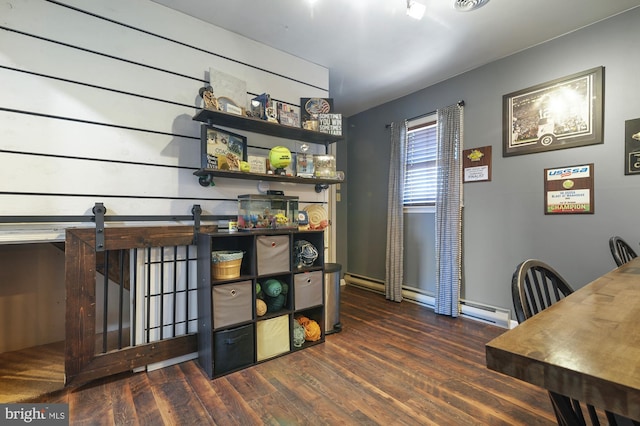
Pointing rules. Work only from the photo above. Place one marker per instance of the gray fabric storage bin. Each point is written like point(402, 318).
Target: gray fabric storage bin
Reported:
point(273, 254)
point(233, 349)
point(232, 303)
point(307, 289)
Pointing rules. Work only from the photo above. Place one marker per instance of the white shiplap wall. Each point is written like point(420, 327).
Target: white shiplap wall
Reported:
point(97, 104)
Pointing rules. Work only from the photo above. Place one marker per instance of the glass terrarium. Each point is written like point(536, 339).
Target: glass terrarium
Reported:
point(257, 211)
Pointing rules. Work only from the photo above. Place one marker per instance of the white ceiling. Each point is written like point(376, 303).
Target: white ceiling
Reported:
point(376, 53)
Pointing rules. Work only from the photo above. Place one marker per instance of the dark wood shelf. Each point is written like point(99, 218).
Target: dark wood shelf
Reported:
point(205, 174)
point(264, 127)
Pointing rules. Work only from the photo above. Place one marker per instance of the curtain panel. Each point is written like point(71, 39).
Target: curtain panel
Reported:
point(449, 210)
point(394, 271)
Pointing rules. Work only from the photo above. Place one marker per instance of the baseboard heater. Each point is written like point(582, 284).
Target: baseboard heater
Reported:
point(473, 310)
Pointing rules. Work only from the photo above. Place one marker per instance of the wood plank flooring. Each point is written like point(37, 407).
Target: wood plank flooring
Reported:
point(393, 364)
point(26, 374)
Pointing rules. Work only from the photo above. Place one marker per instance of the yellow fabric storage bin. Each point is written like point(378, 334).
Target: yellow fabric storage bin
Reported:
point(272, 337)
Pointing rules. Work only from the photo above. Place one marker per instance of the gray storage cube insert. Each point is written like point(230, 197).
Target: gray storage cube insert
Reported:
point(307, 289)
point(232, 303)
point(274, 255)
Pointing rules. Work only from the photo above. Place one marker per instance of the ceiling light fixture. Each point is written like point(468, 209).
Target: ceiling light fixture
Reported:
point(469, 5)
point(415, 10)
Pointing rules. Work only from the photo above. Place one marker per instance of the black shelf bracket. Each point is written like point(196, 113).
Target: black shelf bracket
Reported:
point(99, 211)
point(320, 187)
point(206, 180)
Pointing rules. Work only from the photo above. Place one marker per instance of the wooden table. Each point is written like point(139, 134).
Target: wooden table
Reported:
point(586, 346)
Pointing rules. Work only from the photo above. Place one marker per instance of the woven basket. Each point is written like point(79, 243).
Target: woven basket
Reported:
point(226, 264)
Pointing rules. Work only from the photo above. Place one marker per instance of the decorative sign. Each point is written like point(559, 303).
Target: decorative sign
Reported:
point(569, 190)
point(330, 123)
point(311, 107)
point(257, 164)
point(477, 164)
point(632, 146)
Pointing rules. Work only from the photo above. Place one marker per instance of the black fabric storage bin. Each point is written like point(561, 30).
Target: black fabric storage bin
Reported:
point(233, 349)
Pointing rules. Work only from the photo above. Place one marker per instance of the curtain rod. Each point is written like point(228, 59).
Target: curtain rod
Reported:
point(460, 104)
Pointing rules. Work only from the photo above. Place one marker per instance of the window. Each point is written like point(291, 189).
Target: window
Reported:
point(420, 168)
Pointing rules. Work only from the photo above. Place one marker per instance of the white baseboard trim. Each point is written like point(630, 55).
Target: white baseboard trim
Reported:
point(473, 310)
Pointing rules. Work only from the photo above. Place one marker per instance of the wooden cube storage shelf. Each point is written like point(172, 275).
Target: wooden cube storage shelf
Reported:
point(231, 335)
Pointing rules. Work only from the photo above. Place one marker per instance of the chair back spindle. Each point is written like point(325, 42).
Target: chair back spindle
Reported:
point(621, 250)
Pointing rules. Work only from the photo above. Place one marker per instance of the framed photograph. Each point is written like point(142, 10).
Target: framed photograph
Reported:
point(287, 114)
point(221, 149)
point(559, 114)
point(569, 190)
point(632, 146)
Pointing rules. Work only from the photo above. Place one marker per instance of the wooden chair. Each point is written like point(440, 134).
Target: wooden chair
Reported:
point(621, 251)
point(534, 287)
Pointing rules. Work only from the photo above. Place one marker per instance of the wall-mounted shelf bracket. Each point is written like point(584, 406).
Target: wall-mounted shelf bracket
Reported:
point(206, 180)
point(320, 187)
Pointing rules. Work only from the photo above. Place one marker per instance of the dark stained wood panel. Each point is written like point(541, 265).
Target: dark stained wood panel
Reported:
point(81, 362)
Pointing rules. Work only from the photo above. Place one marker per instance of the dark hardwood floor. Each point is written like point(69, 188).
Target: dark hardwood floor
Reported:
point(393, 364)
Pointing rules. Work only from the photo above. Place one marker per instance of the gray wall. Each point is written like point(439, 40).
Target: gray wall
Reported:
point(504, 219)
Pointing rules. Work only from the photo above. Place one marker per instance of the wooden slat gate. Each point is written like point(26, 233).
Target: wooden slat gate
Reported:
point(82, 362)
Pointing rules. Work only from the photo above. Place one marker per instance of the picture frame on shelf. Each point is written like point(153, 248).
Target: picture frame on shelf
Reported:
point(310, 108)
point(257, 164)
point(221, 149)
point(229, 88)
point(324, 166)
point(304, 165)
point(563, 113)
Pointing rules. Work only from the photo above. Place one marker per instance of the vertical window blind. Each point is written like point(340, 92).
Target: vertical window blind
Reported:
point(420, 167)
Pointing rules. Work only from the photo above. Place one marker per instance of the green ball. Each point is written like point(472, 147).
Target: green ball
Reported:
point(258, 288)
point(275, 303)
point(272, 287)
point(285, 288)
